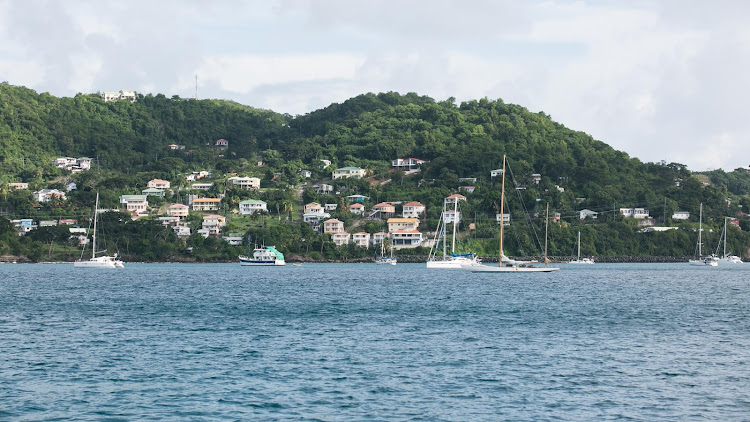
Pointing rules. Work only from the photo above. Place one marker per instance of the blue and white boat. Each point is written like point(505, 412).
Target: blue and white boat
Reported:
point(263, 256)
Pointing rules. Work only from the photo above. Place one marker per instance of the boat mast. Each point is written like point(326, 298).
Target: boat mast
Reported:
point(546, 232)
point(579, 245)
point(443, 229)
point(700, 231)
point(725, 238)
point(502, 220)
point(455, 221)
point(93, 236)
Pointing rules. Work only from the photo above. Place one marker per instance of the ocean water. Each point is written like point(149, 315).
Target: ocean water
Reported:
point(346, 342)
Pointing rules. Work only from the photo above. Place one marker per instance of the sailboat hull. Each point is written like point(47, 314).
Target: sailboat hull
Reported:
point(99, 262)
point(451, 263)
point(507, 269)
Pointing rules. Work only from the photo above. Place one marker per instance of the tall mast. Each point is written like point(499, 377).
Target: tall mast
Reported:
point(443, 233)
point(502, 220)
point(546, 232)
point(455, 221)
point(700, 231)
point(579, 245)
point(93, 237)
point(725, 238)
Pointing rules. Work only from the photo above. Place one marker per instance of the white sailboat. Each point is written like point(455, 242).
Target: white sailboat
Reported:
point(385, 259)
point(702, 260)
point(454, 260)
point(505, 264)
point(580, 260)
point(104, 261)
point(725, 258)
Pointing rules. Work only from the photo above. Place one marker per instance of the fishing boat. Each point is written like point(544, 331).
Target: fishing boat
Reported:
point(385, 259)
point(454, 260)
point(580, 260)
point(505, 264)
point(726, 258)
point(263, 256)
point(702, 260)
point(103, 261)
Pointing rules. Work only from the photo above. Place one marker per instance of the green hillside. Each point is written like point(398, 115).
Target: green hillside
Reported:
point(129, 145)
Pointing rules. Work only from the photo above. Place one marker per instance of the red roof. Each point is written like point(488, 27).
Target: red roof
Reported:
point(413, 204)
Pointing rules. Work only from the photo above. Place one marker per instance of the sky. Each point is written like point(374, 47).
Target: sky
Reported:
point(660, 80)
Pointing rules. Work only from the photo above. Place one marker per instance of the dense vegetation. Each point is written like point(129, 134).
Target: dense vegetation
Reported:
point(128, 142)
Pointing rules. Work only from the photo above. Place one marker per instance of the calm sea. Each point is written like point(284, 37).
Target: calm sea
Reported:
point(346, 342)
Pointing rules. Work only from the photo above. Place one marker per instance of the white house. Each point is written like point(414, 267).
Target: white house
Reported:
point(323, 188)
point(45, 195)
point(379, 237)
point(117, 96)
point(413, 209)
point(251, 206)
point(135, 204)
point(407, 163)
point(324, 164)
point(346, 172)
point(305, 173)
point(340, 238)
point(331, 207)
point(313, 208)
point(245, 182)
point(314, 218)
point(406, 224)
point(361, 239)
point(451, 216)
point(496, 173)
point(505, 218)
point(584, 214)
point(357, 209)
point(406, 238)
point(637, 213)
point(455, 197)
point(469, 189)
point(681, 215)
point(221, 144)
point(536, 178)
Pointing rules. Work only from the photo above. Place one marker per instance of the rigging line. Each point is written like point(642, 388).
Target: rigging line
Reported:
point(525, 210)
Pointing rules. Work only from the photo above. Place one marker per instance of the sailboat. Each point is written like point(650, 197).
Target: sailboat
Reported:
point(505, 264)
point(454, 260)
point(104, 261)
point(385, 259)
point(579, 260)
point(702, 260)
point(727, 259)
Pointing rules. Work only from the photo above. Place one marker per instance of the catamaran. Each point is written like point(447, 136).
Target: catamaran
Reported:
point(505, 264)
point(104, 261)
point(702, 260)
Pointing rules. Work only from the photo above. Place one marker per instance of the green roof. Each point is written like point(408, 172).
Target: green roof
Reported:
point(350, 168)
point(252, 201)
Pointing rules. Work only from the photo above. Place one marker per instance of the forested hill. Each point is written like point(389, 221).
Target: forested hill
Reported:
point(460, 141)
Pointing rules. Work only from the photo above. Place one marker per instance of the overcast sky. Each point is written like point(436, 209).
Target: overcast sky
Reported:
point(660, 80)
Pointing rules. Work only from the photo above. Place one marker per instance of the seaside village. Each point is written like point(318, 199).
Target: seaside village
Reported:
point(403, 228)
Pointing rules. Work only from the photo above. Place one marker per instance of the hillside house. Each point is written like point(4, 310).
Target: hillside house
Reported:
point(313, 208)
point(18, 185)
point(361, 239)
point(385, 209)
point(378, 238)
point(117, 96)
point(505, 218)
point(406, 239)
point(324, 164)
point(330, 207)
point(221, 144)
point(333, 226)
point(245, 182)
point(413, 209)
point(46, 195)
point(153, 192)
point(406, 224)
point(357, 198)
point(468, 189)
point(178, 210)
point(159, 184)
point(454, 198)
point(637, 213)
point(681, 215)
point(451, 216)
point(201, 186)
point(584, 214)
point(206, 204)
point(357, 209)
point(407, 163)
point(323, 189)
point(347, 172)
point(340, 238)
point(135, 204)
point(251, 206)
point(496, 173)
